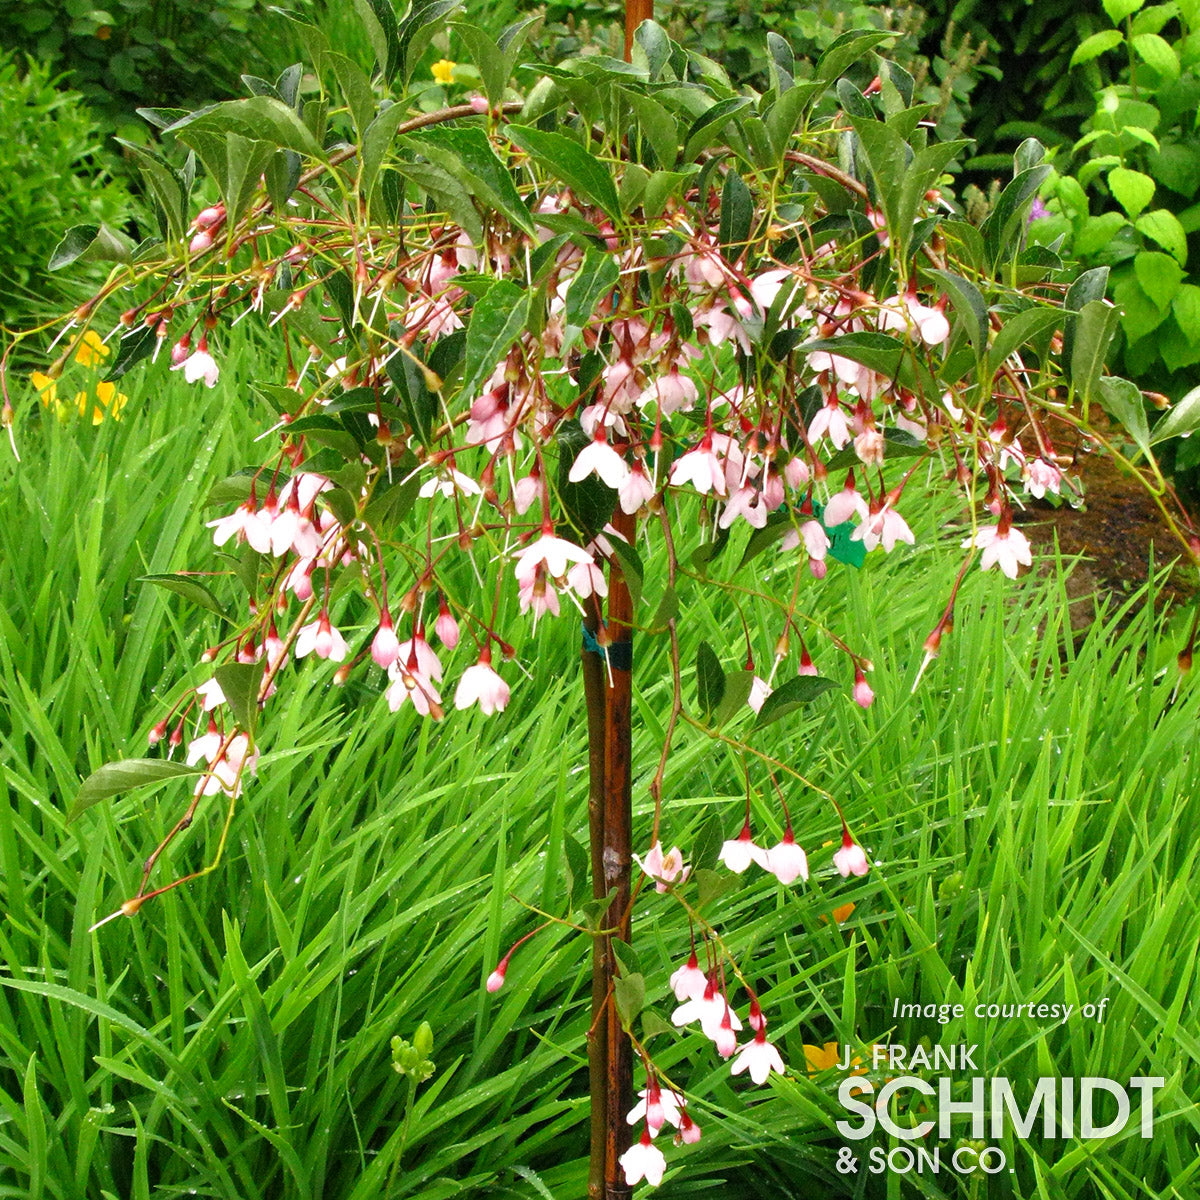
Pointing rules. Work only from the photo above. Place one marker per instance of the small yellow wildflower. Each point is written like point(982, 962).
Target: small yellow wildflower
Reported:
point(443, 71)
point(828, 1056)
point(108, 401)
point(91, 350)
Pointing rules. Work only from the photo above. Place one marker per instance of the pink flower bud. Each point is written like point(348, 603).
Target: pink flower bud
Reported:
point(446, 627)
point(156, 734)
point(863, 696)
point(206, 218)
point(689, 1131)
point(495, 980)
point(201, 242)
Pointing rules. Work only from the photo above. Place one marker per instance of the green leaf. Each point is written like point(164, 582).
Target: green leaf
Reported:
point(877, 351)
point(240, 683)
point(489, 60)
point(246, 160)
point(257, 117)
point(1156, 53)
point(1118, 10)
point(496, 322)
point(578, 871)
point(1097, 44)
point(1159, 275)
point(375, 143)
point(1091, 285)
point(467, 155)
point(738, 685)
point(710, 679)
point(886, 155)
point(706, 850)
point(134, 347)
point(843, 52)
point(737, 213)
point(116, 777)
point(417, 30)
point(660, 187)
point(1097, 232)
point(1132, 189)
point(392, 500)
point(1123, 400)
point(712, 885)
point(1163, 227)
point(789, 696)
point(971, 308)
point(598, 274)
point(711, 122)
point(653, 1023)
point(658, 127)
point(667, 610)
point(1006, 223)
point(90, 243)
point(629, 991)
point(1019, 329)
point(1184, 417)
point(379, 21)
point(190, 589)
point(631, 567)
point(1186, 307)
point(1094, 331)
point(565, 159)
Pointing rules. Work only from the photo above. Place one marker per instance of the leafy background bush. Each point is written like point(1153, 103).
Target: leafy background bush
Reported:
point(56, 174)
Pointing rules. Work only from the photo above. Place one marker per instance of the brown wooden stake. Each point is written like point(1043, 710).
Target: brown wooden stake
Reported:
point(636, 11)
point(607, 685)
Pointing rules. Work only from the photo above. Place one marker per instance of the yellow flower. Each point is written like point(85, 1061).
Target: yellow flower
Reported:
point(108, 401)
point(91, 349)
point(443, 71)
point(824, 1058)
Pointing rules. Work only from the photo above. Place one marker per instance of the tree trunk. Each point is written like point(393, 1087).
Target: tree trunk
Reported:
point(607, 681)
point(636, 11)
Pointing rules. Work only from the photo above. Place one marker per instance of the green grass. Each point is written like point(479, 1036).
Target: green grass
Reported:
point(1032, 808)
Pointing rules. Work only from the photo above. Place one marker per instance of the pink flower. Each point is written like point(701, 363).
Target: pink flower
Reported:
point(233, 525)
point(418, 654)
point(599, 458)
point(210, 695)
point(636, 490)
point(385, 647)
point(587, 579)
point(673, 392)
point(738, 853)
point(747, 502)
point(758, 1057)
point(851, 859)
point(724, 1039)
point(689, 982)
point(412, 685)
point(863, 696)
point(446, 627)
point(1042, 477)
point(787, 861)
point(701, 468)
point(1003, 545)
point(759, 691)
point(538, 594)
point(554, 553)
point(664, 869)
point(643, 1160)
point(480, 684)
point(199, 365)
point(321, 638)
point(845, 504)
point(885, 527)
point(710, 1009)
point(689, 1131)
point(830, 420)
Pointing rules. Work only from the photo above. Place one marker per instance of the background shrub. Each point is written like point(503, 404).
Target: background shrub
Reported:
point(55, 176)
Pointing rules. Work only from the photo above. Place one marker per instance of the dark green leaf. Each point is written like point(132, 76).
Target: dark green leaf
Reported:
point(971, 308)
point(1093, 335)
point(631, 567)
point(1123, 400)
point(629, 991)
point(737, 691)
point(789, 696)
point(496, 322)
point(90, 243)
point(240, 683)
point(190, 589)
point(597, 276)
point(1184, 417)
point(565, 159)
point(579, 879)
point(706, 850)
point(1089, 286)
point(710, 679)
point(134, 346)
point(667, 610)
point(257, 117)
point(709, 124)
point(737, 214)
point(116, 777)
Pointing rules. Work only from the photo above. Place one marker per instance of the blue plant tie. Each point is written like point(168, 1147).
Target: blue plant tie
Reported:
point(619, 654)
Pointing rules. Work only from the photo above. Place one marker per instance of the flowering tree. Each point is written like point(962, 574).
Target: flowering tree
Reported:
point(626, 334)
